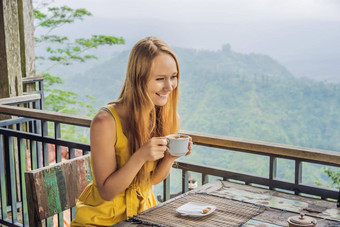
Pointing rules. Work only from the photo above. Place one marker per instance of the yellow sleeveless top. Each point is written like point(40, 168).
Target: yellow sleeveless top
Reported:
point(92, 210)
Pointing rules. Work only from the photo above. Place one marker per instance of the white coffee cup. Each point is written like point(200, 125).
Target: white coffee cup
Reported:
point(178, 144)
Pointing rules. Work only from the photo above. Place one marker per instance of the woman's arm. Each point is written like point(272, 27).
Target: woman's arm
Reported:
point(164, 167)
point(110, 180)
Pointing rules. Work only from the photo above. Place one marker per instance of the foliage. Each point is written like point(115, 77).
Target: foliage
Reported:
point(60, 50)
point(334, 176)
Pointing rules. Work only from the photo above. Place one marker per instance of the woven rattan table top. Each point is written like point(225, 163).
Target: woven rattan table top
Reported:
point(228, 212)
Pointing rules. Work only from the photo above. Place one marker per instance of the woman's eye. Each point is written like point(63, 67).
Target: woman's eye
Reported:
point(160, 79)
point(174, 77)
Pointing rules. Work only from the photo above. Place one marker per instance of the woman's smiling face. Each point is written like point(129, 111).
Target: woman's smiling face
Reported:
point(163, 79)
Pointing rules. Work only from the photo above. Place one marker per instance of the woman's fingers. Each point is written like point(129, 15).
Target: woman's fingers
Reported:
point(189, 147)
point(159, 147)
point(160, 141)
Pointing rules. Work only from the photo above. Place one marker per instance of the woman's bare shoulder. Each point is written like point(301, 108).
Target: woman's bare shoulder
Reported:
point(103, 119)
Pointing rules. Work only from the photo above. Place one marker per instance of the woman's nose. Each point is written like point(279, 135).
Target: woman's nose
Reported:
point(168, 85)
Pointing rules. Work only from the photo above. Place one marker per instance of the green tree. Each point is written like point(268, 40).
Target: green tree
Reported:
point(334, 175)
point(60, 50)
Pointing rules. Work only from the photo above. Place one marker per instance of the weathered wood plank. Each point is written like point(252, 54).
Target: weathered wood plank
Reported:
point(33, 216)
point(46, 115)
point(273, 199)
point(52, 191)
point(10, 61)
point(41, 197)
point(57, 187)
point(34, 137)
point(26, 31)
point(32, 79)
point(72, 183)
point(20, 99)
point(85, 174)
point(61, 188)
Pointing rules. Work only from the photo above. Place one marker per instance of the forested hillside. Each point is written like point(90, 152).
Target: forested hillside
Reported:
point(250, 96)
point(241, 95)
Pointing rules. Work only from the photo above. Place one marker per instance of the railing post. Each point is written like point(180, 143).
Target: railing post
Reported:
point(73, 213)
point(58, 158)
point(185, 180)
point(7, 171)
point(41, 91)
point(166, 188)
point(3, 178)
point(44, 130)
point(57, 135)
point(72, 153)
point(272, 171)
point(22, 170)
point(298, 175)
point(45, 153)
point(38, 130)
point(33, 153)
point(205, 178)
point(13, 183)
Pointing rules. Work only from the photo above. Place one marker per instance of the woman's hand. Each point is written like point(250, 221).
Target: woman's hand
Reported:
point(189, 150)
point(154, 149)
point(189, 147)
point(163, 169)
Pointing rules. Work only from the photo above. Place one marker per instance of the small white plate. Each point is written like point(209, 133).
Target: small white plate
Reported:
point(194, 209)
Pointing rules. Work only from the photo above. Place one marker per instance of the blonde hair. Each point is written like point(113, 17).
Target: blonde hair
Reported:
point(142, 124)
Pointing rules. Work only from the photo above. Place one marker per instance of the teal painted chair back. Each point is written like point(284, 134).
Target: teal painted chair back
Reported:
point(55, 188)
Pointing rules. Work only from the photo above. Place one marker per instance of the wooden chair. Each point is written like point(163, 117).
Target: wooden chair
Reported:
point(53, 189)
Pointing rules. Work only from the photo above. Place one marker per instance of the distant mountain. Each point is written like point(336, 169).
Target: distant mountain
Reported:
point(226, 61)
point(307, 48)
point(105, 79)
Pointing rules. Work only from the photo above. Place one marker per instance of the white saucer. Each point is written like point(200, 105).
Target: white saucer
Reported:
point(194, 209)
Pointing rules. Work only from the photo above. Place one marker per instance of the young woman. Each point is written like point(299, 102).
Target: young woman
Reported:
point(128, 144)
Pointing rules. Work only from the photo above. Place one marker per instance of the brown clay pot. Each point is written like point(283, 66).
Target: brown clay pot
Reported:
point(301, 221)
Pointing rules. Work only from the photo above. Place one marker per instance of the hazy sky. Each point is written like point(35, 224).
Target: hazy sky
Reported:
point(303, 35)
point(214, 11)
